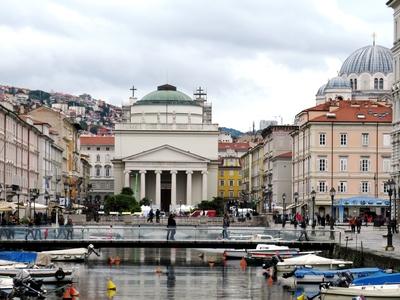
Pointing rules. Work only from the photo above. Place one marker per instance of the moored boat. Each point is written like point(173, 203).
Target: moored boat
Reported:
point(370, 292)
point(265, 249)
point(47, 275)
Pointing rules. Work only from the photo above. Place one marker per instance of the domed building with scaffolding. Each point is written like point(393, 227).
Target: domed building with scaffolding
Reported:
point(367, 74)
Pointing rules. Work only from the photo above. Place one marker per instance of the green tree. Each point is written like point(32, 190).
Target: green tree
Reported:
point(127, 191)
point(122, 202)
point(216, 204)
point(145, 201)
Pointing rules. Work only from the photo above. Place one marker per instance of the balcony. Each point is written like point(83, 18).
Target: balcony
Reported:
point(166, 127)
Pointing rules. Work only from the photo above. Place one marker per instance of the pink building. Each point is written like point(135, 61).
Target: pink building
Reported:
point(344, 145)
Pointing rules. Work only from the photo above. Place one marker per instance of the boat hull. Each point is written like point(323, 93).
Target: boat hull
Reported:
point(383, 292)
point(46, 275)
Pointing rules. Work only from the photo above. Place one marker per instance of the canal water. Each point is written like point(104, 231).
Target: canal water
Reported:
point(172, 274)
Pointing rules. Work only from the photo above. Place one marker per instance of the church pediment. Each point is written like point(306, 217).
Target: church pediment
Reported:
point(166, 153)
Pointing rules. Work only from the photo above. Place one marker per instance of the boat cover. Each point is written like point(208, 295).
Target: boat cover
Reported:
point(312, 259)
point(19, 256)
point(357, 272)
point(384, 278)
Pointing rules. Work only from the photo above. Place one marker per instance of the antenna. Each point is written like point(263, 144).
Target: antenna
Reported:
point(373, 38)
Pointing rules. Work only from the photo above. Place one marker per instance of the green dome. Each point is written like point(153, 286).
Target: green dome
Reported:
point(166, 93)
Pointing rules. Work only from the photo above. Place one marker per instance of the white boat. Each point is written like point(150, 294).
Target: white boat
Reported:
point(6, 283)
point(75, 254)
point(265, 249)
point(370, 292)
point(311, 261)
point(254, 237)
point(47, 275)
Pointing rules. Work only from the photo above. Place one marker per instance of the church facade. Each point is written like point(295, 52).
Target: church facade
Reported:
point(166, 149)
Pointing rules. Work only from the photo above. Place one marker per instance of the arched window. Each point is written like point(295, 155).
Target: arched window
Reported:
point(381, 84)
point(98, 169)
point(351, 83)
point(97, 157)
point(108, 169)
point(355, 83)
point(376, 83)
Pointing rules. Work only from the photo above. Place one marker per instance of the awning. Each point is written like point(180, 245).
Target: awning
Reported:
point(7, 206)
point(362, 201)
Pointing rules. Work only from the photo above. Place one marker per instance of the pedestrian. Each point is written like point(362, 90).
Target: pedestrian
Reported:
point(38, 233)
point(295, 223)
point(322, 221)
point(150, 216)
point(393, 225)
point(225, 225)
point(61, 229)
point(352, 224)
point(69, 229)
point(303, 226)
point(158, 213)
point(171, 227)
point(29, 230)
point(358, 224)
point(283, 220)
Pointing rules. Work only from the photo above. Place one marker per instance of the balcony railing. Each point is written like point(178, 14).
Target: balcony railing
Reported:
point(158, 126)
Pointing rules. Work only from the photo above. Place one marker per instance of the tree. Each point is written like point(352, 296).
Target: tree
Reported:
point(122, 202)
point(127, 191)
point(145, 201)
point(216, 204)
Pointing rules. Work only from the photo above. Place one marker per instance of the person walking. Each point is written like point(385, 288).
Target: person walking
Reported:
point(352, 223)
point(225, 225)
point(358, 224)
point(171, 227)
point(61, 229)
point(38, 232)
point(158, 213)
point(70, 229)
point(150, 216)
point(303, 226)
point(29, 230)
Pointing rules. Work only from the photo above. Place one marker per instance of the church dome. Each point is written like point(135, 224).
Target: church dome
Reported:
point(166, 93)
point(321, 90)
point(337, 83)
point(370, 59)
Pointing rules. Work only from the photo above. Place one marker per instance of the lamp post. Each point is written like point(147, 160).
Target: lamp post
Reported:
point(391, 186)
point(296, 198)
point(332, 192)
point(313, 193)
point(283, 209)
point(17, 192)
point(270, 198)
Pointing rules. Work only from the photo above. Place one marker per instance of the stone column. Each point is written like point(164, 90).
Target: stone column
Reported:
point(127, 177)
point(173, 188)
point(142, 184)
point(204, 185)
point(158, 188)
point(189, 187)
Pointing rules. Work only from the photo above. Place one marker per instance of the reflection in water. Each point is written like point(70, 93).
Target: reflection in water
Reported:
point(170, 274)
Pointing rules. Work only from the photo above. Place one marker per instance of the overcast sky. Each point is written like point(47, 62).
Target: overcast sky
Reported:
point(258, 59)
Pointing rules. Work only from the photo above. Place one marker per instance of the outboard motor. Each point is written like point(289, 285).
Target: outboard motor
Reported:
point(25, 286)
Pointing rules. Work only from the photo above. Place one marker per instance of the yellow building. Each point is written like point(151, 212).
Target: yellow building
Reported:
point(229, 178)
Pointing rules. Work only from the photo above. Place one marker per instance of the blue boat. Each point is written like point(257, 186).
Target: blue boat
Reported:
point(19, 256)
point(312, 276)
point(378, 279)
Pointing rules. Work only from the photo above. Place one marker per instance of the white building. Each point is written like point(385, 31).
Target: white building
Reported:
point(224, 137)
point(367, 74)
point(168, 152)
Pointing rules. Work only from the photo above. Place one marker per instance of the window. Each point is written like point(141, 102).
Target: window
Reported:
point(364, 187)
point(386, 165)
point(322, 186)
point(323, 162)
point(230, 194)
point(351, 83)
point(355, 84)
point(381, 84)
point(98, 148)
point(230, 182)
point(376, 83)
point(107, 157)
point(222, 182)
point(221, 194)
point(343, 164)
point(386, 140)
point(343, 139)
point(97, 157)
point(221, 173)
point(342, 188)
point(322, 139)
point(239, 182)
point(107, 148)
point(98, 171)
point(385, 188)
point(365, 139)
point(88, 148)
point(108, 168)
point(230, 172)
point(364, 164)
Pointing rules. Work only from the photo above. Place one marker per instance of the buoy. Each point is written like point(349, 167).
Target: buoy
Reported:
point(67, 294)
point(73, 291)
point(111, 285)
point(111, 294)
point(243, 263)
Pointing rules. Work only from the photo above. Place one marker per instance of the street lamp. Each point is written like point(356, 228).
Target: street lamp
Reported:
point(296, 198)
point(391, 186)
point(283, 209)
point(270, 197)
point(313, 193)
point(332, 192)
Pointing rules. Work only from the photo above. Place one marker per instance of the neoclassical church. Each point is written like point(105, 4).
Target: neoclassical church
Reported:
point(367, 74)
point(166, 148)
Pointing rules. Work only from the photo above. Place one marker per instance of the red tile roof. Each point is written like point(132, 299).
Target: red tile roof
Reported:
point(97, 140)
point(284, 155)
point(234, 146)
point(353, 111)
